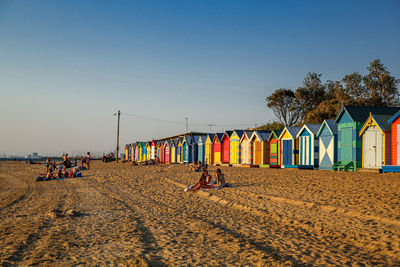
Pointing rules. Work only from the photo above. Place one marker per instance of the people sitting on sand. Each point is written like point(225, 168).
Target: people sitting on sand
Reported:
point(49, 174)
point(202, 182)
point(196, 167)
point(88, 158)
point(65, 162)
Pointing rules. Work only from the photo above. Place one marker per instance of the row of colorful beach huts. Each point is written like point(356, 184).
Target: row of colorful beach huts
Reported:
point(359, 138)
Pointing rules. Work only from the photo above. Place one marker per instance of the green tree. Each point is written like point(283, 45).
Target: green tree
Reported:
point(282, 103)
point(271, 125)
point(310, 95)
point(355, 89)
point(381, 86)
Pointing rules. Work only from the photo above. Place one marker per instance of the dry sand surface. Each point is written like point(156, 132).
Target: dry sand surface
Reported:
point(119, 214)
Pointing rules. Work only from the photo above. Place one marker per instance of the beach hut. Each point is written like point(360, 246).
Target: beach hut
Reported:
point(246, 154)
point(234, 141)
point(394, 145)
point(133, 150)
point(274, 149)
point(209, 152)
point(217, 148)
point(201, 148)
point(376, 142)
point(289, 147)
point(309, 146)
point(327, 136)
point(142, 151)
point(167, 151)
point(226, 148)
point(260, 148)
point(187, 149)
point(195, 148)
point(350, 120)
point(137, 152)
point(173, 151)
point(179, 156)
point(126, 155)
point(153, 149)
point(148, 150)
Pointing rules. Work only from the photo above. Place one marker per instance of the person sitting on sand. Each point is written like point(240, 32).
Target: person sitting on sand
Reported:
point(195, 168)
point(49, 174)
point(202, 182)
point(88, 157)
point(220, 179)
point(82, 162)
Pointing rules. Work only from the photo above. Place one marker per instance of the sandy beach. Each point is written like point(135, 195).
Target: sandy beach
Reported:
point(119, 214)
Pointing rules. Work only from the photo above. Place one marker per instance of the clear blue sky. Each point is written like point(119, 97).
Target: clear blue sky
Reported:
point(67, 66)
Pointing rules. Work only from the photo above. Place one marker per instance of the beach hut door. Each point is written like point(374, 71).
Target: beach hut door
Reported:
point(287, 152)
point(398, 144)
point(370, 148)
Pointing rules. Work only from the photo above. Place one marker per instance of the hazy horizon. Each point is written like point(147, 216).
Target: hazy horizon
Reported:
point(67, 66)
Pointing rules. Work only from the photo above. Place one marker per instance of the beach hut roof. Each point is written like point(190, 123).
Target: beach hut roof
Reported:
point(332, 127)
point(211, 135)
point(311, 128)
point(228, 133)
point(292, 130)
point(239, 133)
point(275, 133)
point(361, 113)
point(381, 120)
point(394, 117)
point(196, 138)
point(262, 135)
point(246, 133)
point(219, 136)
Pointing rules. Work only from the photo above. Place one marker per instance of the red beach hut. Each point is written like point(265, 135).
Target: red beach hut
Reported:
point(226, 147)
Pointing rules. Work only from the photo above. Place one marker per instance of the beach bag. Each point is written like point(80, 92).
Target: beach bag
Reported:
point(78, 174)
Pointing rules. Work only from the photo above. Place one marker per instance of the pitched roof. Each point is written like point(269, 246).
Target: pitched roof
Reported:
point(311, 128)
point(383, 121)
point(195, 138)
point(361, 113)
point(239, 133)
point(332, 126)
point(219, 136)
point(228, 133)
point(292, 130)
point(264, 135)
point(275, 133)
point(395, 116)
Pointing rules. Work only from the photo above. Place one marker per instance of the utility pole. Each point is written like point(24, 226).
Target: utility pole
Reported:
point(210, 125)
point(187, 128)
point(119, 115)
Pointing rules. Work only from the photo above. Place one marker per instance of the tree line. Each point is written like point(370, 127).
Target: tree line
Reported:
point(315, 101)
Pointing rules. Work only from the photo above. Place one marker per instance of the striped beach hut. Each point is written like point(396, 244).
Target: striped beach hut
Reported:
point(153, 149)
point(201, 148)
point(350, 120)
point(394, 165)
point(158, 148)
point(173, 149)
point(226, 147)
point(376, 142)
point(133, 150)
point(217, 148)
point(309, 146)
point(167, 152)
point(275, 148)
point(246, 152)
point(209, 152)
point(137, 152)
point(148, 150)
point(260, 147)
point(234, 141)
point(289, 147)
point(179, 156)
point(327, 136)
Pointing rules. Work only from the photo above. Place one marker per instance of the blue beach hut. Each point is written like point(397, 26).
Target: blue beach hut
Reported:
point(327, 136)
point(309, 146)
point(201, 148)
point(289, 147)
point(349, 121)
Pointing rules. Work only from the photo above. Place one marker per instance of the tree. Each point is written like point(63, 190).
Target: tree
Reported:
point(274, 125)
point(355, 89)
point(310, 95)
point(282, 103)
point(381, 86)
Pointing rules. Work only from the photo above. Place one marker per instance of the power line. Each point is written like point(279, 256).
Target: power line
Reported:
point(186, 123)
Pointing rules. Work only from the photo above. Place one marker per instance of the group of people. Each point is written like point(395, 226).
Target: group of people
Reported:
point(205, 180)
point(75, 170)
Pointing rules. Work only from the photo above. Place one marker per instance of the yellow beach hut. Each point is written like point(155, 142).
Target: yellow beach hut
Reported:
point(235, 146)
point(208, 155)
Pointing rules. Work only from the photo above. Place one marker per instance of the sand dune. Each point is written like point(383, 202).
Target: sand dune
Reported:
point(138, 215)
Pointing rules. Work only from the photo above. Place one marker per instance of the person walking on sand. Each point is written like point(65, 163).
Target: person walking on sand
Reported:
point(88, 157)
